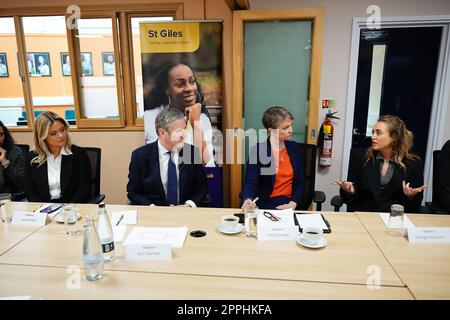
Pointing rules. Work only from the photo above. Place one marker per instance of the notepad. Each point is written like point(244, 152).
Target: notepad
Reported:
point(315, 220)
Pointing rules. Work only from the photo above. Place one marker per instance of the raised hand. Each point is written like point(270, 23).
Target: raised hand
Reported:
point(346, 186)
point(412, 192)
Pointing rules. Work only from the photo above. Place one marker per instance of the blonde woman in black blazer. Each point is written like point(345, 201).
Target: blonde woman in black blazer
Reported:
point(57, 171)
point(388, 173)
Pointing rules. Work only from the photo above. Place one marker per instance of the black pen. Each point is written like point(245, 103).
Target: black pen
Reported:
point(121, 217)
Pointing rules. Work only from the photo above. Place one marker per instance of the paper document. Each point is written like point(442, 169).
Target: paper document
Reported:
point(129, 217)
point(174, 236)
point(311, 220)
point(16, 298)
point(119, 232)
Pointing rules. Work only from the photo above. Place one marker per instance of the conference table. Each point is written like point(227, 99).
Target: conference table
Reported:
point(360, 261)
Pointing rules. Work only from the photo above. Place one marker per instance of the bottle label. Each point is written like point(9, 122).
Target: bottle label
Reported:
point(108, 247)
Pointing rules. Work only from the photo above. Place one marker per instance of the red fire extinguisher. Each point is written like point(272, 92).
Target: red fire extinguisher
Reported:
point(326, 141)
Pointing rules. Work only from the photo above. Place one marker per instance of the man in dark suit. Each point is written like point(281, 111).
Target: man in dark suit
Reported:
point(167, 171)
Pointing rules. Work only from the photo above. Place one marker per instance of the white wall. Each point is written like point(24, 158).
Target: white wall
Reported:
point(336, 59)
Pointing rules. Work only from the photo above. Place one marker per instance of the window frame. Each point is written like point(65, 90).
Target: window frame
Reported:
point(123, 52)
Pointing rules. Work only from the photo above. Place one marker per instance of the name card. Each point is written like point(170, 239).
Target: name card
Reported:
point(29, 218)
point(429, 235)
point(159, 251)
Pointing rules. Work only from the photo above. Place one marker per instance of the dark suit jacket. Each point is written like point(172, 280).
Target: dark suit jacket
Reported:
point(444, 177)
point(144, 178)
point(368, 196)
point(75, 178)
point(260, 172)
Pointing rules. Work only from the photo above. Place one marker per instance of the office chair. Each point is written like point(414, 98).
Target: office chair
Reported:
point(355, 156)
point(24, 147)
point(310, 193)
point(434, 206)
point(20, 195)
point(94, 155)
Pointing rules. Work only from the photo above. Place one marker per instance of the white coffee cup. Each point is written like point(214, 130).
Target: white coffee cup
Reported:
point(312, 235)
point(229, 222)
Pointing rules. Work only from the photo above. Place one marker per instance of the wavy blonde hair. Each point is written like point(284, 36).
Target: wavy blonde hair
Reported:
point(402, 140)
point(41, 128)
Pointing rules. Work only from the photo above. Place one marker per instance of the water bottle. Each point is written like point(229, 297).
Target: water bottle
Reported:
point(92, 251)
point(105, 233)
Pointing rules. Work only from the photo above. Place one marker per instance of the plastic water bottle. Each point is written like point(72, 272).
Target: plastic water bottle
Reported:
point(105, 233)
point(92, 251)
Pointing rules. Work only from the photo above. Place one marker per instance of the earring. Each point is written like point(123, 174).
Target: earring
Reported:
point(169, 102)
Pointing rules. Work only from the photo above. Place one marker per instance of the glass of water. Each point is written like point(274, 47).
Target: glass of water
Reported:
point(70, 219)
point(396, 217)
point(5, 199)
point(251, 221)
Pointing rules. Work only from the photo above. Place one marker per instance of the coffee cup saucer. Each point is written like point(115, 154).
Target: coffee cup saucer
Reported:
point(237, 229)
point(320, 244)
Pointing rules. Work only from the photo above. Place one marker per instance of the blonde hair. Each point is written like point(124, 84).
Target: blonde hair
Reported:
point(402, 140)
point(41, 128)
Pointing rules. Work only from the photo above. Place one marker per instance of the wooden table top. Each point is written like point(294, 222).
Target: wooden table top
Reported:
point(347, 258)
point(425, 268)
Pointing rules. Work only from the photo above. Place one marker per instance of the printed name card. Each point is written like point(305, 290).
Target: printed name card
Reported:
point(29, 218)
point(429, 235)
point(159, 251)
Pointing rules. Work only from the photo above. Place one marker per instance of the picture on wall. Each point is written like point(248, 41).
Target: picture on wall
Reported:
point(65, 63)
point(86, 64)
point(109, 66)
point(39, 64)
point(3, 65)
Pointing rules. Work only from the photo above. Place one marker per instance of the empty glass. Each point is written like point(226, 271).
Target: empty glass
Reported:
point(250, 221)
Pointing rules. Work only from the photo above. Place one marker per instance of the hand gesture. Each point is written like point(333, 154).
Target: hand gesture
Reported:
point(412, 192)
point(193, 112)
point(289, 205)
point(346, 186)
point(3, 154)
point(248, 205)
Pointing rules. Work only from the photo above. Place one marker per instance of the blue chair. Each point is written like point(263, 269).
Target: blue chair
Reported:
point(69, 115)
point(37, 113)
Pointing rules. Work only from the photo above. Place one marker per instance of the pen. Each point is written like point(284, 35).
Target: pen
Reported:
point(121, 217)
point(256, 199)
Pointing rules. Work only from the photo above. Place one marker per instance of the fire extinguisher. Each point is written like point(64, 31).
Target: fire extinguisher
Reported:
point(326, 140)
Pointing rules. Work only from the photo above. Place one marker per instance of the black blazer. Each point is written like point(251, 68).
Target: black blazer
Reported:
point(260, 172)
point(365, 174)
point(75, 178)
point(144, 178)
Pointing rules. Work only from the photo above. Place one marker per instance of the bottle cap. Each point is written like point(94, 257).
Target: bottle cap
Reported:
point(101, 205)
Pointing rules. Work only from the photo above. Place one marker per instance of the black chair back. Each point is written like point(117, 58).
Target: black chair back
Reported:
point(310, 175)
point(94, 155)
point(24, 147)
point(435, 194)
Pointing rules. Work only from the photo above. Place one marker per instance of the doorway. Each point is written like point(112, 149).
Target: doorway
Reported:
point(430, 139)
point(396, 75)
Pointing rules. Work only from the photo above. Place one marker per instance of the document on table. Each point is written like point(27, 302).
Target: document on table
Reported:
point(16, 298)
point(174, 236)
point(312, 220)
point(286, 217)
point(129, 217)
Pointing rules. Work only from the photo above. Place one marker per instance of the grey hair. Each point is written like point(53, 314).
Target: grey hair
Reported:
point(274, 115)
point(166, 117)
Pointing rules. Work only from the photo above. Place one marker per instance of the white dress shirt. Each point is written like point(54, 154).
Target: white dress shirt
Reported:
point(163, 166)
point(151, 134)
point(54, 173)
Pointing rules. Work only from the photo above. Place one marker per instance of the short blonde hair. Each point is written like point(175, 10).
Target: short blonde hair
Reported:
point(41, 128)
